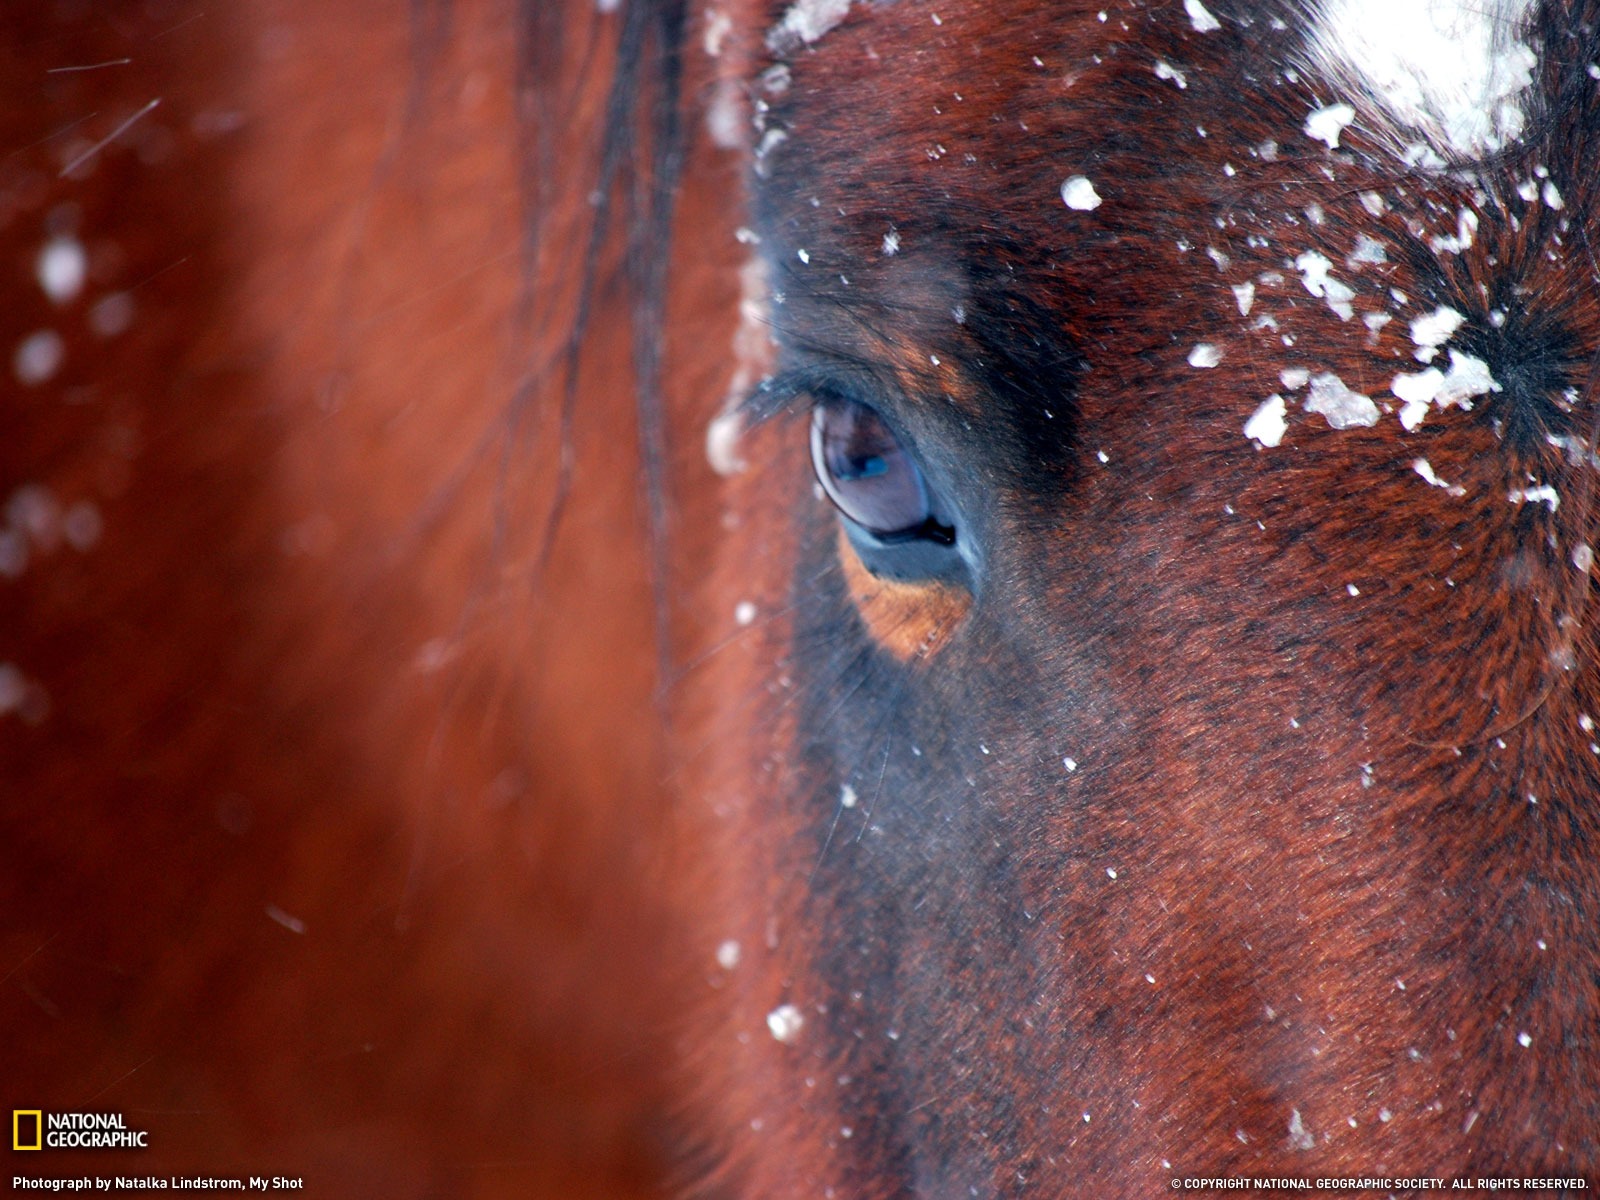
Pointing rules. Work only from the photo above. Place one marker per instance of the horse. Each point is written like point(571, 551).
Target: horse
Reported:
point(807, 597)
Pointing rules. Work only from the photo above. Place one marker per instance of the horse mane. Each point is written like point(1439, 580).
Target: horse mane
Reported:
point(638, 157)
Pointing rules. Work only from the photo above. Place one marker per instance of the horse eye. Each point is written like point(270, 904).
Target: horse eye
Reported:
point(868, 474)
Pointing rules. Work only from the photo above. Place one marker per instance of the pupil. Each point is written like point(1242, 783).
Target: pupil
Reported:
point(865, 467)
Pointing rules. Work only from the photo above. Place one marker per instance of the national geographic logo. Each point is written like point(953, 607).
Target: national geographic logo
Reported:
point(35, 1129)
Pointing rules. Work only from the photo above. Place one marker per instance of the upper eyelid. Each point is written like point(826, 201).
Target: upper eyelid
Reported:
point(782, 394)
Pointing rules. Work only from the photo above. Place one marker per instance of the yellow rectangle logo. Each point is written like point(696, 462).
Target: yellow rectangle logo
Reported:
point(20, 1138)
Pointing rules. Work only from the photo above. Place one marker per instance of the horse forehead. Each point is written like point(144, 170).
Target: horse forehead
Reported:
point(1448, 74)
point(972, 120)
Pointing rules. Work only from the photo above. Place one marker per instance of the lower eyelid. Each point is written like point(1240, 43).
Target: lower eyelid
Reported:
point(909, 620)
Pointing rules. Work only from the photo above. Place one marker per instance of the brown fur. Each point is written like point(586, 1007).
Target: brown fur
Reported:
point(1242, 820)
point(314, 666)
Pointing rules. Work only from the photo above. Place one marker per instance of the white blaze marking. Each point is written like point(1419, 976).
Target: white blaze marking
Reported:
point(1452, 71)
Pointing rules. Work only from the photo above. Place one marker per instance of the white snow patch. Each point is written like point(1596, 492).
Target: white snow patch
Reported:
point(1166, 70)
point(752, 356)
point(111, 314)
point(725, 116)
point(728, 954)
point(13, 688)
point(290, 922)
point(1367, 250)
point(1451, 71)
point(1425, 469)
point(1326, 124)
point(848, 797)
point(13, 554)
point(1294, 377)
point(37, 357)
point(744, 612)
point(891, 243)
point(1417, 392)
point(806, 22)
point(1244, 295)
point(1343, 408)
point(1205, 355)
point(1432, 330)
point(784, 1023)
point(1200, 18)
point(771, 139)
point(1077, 192)
point(718, 26)
point(1313, 268)
point(1466, 231)
point(1467, 379)
point(1541, 494)
point(61, 269)
point(722, 443)
point(1299, 1137)
point(1268, 424)
point(82, 525)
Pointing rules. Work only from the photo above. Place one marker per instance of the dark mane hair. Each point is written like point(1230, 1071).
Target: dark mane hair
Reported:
point(635, 167)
